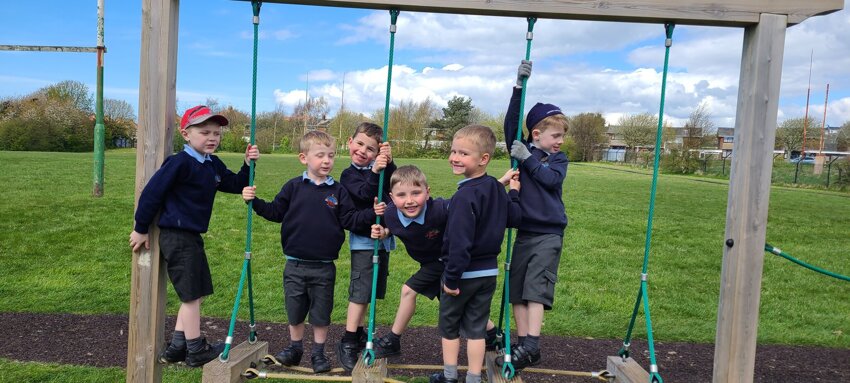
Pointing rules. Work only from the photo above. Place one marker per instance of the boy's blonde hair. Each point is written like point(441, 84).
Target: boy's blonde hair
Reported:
point(315, 137)
point(558, 120)
point(480, 135)
point(370, 130)
point(408, 174)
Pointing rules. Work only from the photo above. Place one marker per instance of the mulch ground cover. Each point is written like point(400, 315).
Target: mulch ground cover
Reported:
point(101, 341)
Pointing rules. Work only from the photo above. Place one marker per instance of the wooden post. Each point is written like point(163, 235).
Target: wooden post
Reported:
point(749, 190)
point(626, 371)
point(157, 93)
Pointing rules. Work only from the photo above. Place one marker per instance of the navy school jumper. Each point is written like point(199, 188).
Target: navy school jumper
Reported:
point(423, 241)
point(313, 218)
point(184, 189)
point(542, 178)
point(479, 212)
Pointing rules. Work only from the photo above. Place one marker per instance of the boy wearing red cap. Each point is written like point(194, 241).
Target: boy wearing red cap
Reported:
point(183, 191)
point(537, 250)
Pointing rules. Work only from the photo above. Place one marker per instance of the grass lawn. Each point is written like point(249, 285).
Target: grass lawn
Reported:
point(63, 251)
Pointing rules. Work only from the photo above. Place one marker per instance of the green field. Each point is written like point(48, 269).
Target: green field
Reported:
point(63, 251)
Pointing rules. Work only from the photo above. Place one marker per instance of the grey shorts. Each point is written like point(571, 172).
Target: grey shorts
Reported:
point(360, 285)
point(534, 268)
point(468, 312)
point(426, 280)
point(186, 263)
point(309, 288)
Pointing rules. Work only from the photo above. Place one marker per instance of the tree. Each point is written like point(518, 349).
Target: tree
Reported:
point(789, 135)
point(638, 130)
point(311, 112)
point(587, 131)
point(700, 129)
point(119, 121)
point(457, 114)
point(234, 136)
point(843, 139)
point(73, 92)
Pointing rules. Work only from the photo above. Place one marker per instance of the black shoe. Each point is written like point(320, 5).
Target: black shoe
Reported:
point(361, 340)
point(384, 347)
point(289, 356)
point(521, 358)
point(440, 378)
point(207, 353)
point(172, 355)
point(348, 353)
point(492, 343)
point(320, 363)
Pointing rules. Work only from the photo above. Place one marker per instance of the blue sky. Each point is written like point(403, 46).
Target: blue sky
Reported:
point(612, 68)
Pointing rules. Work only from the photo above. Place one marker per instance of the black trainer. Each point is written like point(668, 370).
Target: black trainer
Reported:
point(320, 363)
point(348, 352)
point(207, 353)
point(440, 378)
point(521, 358)
point(289, 356)
point(491, 343)
point(385, 347)
point(172, 355)
point(361, 340)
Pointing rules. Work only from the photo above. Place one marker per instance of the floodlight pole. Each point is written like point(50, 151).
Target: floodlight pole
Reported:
point(99, 130)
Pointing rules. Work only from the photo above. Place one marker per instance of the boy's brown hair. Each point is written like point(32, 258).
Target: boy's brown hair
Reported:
point(370, 130)
point(481, 135)
point(551, 122)
point(315, 137)
point(408, 174)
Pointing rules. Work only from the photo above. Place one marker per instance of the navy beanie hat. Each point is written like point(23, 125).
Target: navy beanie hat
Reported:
point(538, 113)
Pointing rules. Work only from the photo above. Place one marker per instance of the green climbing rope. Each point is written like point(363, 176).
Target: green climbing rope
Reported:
point(246, 264)
point(775, 250)
point(643, 295)
point(369, 353)
point(508, 370)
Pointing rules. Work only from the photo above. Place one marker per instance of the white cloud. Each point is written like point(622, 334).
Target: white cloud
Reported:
point(453, 67)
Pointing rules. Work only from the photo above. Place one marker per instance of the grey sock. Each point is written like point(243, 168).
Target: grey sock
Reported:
point(450, 372)
point(178, 340)
point(195, 345)
point(473, 378)
point(520, 340)
point(532, 343)
point(318, 349)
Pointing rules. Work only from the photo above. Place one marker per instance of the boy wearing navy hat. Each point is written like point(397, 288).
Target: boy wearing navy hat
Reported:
point(183, 190)
point(537, 250)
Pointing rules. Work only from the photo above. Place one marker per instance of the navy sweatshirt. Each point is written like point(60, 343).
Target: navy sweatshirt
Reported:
point(362, 186)
point(313, 217)
point(479, 212)
point(422, 241)
point(184, 189)
point(542, 178)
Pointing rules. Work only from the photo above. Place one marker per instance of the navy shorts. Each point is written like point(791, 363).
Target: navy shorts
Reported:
point(308, 287)
point(534, 268)
point(360, 285)
point(186, 263)
point(426, 280)
point(468, 312)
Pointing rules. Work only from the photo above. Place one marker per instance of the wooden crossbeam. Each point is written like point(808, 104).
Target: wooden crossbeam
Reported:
point(626, 371)
point(238, 360)
point(369, 374)
point(737, 13)
point(494, 373)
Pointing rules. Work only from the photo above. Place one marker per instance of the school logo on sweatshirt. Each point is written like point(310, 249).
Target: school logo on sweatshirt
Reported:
point(432, 234)
point(331, 201)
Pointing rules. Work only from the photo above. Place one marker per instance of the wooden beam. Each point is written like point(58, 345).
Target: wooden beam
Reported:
point(157, 93)
point(749, 190)
point(239, 359)
point(47, 48)
point(738, 13)
point(369, 374)
point(626, 371)
point(494, 373)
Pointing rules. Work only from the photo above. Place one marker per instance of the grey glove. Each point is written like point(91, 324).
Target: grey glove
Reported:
point(523, 72)
point(519, 151)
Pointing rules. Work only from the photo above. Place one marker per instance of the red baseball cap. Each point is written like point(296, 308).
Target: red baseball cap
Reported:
point(198, 114)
